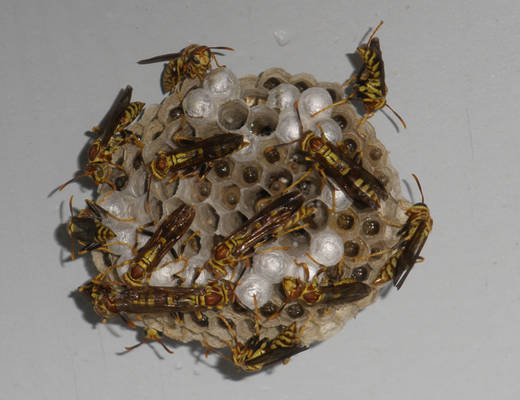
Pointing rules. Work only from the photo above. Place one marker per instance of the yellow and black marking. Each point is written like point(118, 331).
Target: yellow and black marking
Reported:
point(162, 240)
point(412, 238)
point(129, 115)
point(213, 295)
point(194, 61)
point(87, 229)
point(112, 136)
point(193, 153)
point(315, 292)
point(258, 353)
point(255, 232)
point(355, 181)
point(369, 83)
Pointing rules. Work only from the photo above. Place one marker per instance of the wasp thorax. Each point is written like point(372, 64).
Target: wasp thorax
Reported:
point(315, 144)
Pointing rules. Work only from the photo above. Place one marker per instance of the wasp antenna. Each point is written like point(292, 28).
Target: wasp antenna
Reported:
point(283, 144)
point(72, 255)
point(373, 33)
point(71, 180)
point(70, 206)
point(420, 188)
point(300, 333)
point(397, 115)
point(257, 328)
point(222, 48)
point(232, 333)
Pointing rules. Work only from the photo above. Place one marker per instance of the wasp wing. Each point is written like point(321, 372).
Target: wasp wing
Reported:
point(111, 120)
point(163, 57)
point(410, 254)
point(276, 355)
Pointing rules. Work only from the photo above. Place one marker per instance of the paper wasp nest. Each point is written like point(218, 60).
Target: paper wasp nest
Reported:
point(263, 110)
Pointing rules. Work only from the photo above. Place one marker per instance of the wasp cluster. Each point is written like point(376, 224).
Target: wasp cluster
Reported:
point(262, 109)
point(272, 112)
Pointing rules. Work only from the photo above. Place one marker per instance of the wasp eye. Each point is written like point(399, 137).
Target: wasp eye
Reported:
point(196, 60)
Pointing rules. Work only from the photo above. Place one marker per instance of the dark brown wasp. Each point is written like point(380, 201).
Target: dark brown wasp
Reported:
point(192, 62)
point(369, 83)
point(412, 237)
point(87, 229)
point(258, 353)
point(195, 153)
point(348, 173)
point(262, 227)
point(110, 299)
point(112, 135)
point(161, 242)
point(345, 171)
point(321, 290)
point(345, 290)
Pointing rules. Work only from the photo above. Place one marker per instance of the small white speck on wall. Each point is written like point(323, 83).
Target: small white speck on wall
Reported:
point(282, 37)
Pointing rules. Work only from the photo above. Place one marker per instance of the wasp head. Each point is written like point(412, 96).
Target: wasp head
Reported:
point(292, 287)
point(161, 165)
point(198, 60)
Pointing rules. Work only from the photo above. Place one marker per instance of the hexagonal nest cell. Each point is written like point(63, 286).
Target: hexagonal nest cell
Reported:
point(326, 240)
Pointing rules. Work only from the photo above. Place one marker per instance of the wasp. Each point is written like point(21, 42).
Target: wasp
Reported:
point(87, 229)
point(162, 240)
point(110, 299)
point(315, 292)
point(369, 83)
point(346, 172)
point(412, 237)
point(112, 135)
point(258, 353)
point(345, 290)
point(195, 153)
point(266, 224)
point(191, 62)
